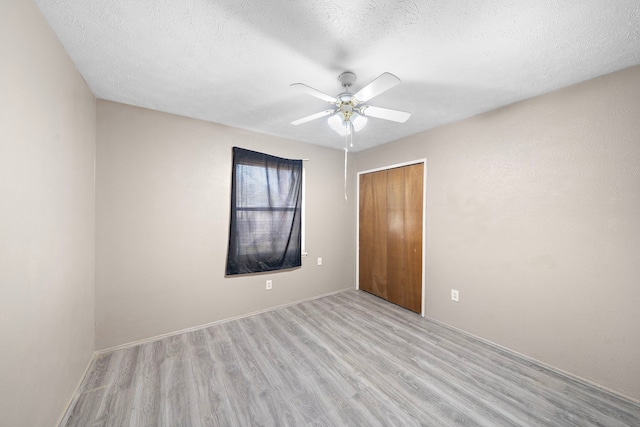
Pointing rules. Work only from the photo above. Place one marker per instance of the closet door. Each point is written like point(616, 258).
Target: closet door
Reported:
point(391, 235)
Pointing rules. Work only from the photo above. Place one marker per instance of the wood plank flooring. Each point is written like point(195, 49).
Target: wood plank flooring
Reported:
point(349, 359)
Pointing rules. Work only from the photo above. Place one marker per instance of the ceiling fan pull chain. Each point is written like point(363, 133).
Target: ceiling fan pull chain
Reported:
point(351, 134)
point(348, 141)
point(346, 151)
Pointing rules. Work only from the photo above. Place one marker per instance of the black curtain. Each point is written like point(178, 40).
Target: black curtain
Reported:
point(266, 210)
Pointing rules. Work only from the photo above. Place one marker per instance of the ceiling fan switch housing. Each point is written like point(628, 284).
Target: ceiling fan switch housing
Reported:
point(347, 78)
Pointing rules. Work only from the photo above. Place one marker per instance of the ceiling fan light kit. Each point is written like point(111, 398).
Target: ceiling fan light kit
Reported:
point(349, 112)
point(343, 126)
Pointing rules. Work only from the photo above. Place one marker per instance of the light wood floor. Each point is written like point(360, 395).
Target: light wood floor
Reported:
point(348, 359)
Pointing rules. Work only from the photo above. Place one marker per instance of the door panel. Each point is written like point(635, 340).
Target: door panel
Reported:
point(413, 187)
point(396, 249)
point(373, 235)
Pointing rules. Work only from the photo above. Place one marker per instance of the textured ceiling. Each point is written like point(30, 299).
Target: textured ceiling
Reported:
point(232, 61)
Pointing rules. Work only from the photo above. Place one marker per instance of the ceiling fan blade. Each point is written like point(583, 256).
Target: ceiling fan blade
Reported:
point(383, 83)
point(385, 113)
point(312, 117)
point(314, 92)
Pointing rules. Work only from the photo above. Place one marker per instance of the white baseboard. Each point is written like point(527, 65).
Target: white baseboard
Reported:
point(529, 359)
point(74, 397)
point(217, 322)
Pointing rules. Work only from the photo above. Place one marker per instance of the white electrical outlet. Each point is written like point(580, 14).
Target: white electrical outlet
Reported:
point(455, 296)
point(319, 260)
point(269, 284)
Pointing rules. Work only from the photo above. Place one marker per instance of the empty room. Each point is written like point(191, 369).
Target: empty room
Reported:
point(368, 213)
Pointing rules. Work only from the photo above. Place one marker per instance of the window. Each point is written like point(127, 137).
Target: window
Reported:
point(266, 213)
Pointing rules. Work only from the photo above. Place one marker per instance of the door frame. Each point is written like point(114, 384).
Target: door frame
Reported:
point(424, 222)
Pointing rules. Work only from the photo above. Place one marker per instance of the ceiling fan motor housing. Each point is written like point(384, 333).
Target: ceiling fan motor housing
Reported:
point(346, 105)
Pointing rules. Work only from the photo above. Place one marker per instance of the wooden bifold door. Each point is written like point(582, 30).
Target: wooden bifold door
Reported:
point(390, 235)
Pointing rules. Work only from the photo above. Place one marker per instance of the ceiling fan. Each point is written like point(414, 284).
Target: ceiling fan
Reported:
point(349, 111)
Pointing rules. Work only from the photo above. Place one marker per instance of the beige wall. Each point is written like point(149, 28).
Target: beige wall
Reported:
point(163, 194)
point(533, 214)
point(47, 148)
